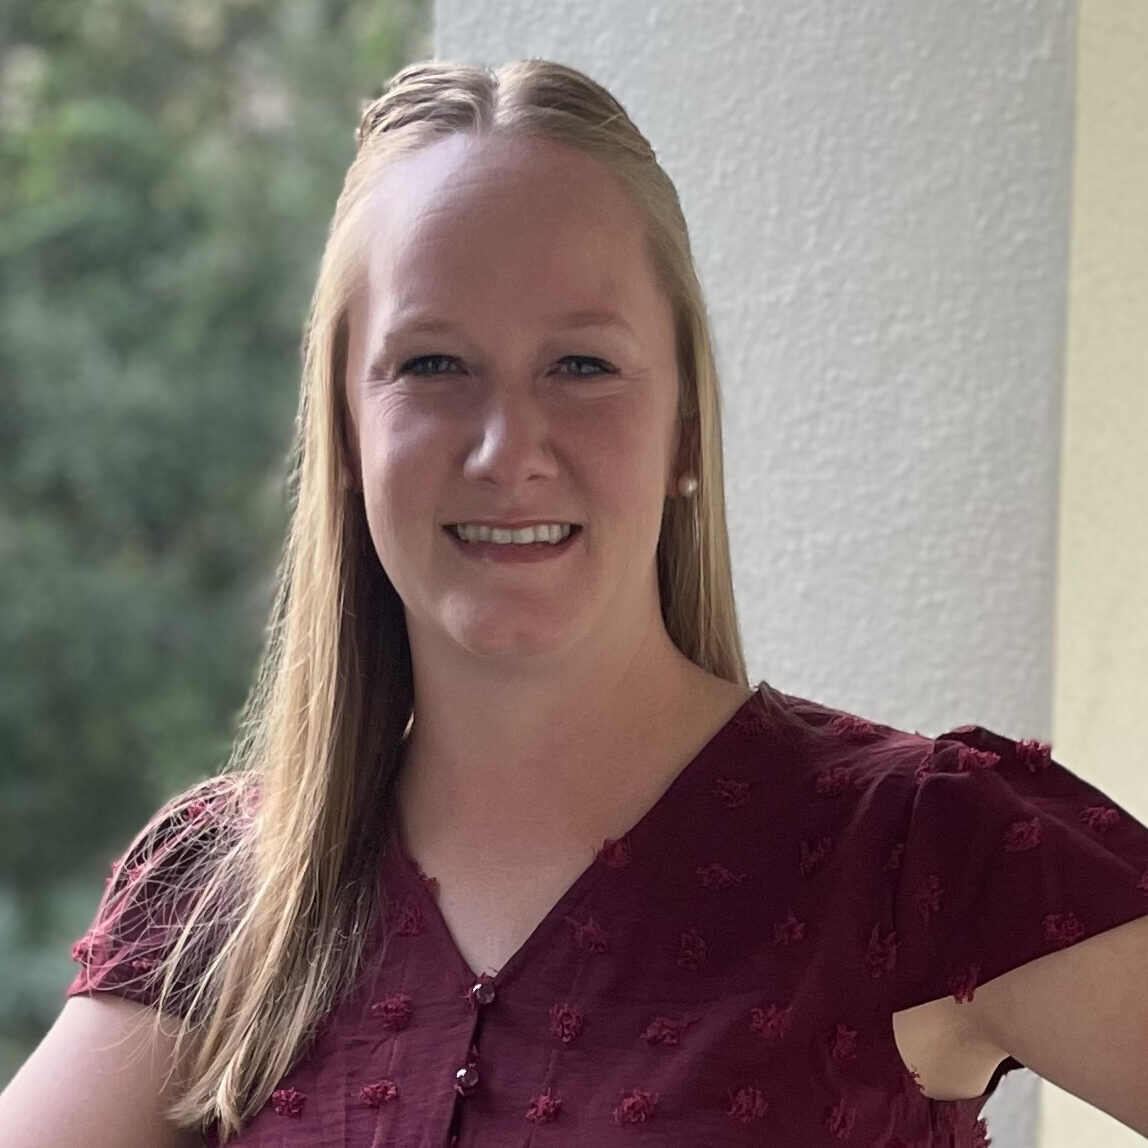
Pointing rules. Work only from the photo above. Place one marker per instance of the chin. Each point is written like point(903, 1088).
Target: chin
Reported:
point(501, 638)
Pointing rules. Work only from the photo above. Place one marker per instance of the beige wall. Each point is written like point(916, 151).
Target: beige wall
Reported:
point(1101, 690)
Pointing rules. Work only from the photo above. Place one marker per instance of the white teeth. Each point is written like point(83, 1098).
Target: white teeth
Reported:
point(550, 533)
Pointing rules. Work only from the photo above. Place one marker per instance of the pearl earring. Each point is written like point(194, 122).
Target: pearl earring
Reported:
point(687, 486)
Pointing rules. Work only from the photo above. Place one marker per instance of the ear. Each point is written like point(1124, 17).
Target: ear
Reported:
point(684, 456)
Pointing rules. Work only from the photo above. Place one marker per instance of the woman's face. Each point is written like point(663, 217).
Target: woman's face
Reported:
point(512, 365)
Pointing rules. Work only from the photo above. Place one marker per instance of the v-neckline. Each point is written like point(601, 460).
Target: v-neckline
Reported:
point(585, 880)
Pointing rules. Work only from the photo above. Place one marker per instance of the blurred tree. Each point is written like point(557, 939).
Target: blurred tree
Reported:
point(167, 172)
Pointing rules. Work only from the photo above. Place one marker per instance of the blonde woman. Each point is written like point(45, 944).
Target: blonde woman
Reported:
point(509, 851)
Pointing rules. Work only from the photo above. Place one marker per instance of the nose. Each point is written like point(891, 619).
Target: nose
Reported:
point(512, 442)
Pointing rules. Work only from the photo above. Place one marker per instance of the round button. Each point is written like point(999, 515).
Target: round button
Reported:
point(466, 1080)
point(483, 992)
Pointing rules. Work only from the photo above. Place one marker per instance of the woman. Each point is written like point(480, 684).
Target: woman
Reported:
point(509, 851)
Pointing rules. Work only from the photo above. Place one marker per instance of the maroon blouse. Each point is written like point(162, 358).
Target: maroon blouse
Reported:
point(726, 973)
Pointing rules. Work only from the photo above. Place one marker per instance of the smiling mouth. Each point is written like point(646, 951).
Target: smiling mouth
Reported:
point(550, 534)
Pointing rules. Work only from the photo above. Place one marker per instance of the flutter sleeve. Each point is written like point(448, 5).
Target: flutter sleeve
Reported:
point(1008, 856)
point(147, 901)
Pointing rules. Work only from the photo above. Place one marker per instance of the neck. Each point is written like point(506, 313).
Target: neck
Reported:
point(557, 749)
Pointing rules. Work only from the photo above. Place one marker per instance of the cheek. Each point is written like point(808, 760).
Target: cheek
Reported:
point(625, 465)
point(632, 451)
point(404, 468)
point(398, 444)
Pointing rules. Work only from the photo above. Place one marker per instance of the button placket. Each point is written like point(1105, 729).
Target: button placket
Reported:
point(480, 995)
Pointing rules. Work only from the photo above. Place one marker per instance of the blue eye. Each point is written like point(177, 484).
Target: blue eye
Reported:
point(585, 367)
point(599, 367)
point(428, 365)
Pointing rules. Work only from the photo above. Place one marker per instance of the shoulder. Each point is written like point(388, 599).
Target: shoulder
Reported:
point(876, 789)
point(834, 753)
point(827, 795)
point(184, 829)
point(837, 752)
point(161, 883)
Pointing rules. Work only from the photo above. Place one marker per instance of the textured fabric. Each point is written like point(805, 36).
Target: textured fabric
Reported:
point(726, 973)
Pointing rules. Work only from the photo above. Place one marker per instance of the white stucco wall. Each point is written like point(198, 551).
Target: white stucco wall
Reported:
point(879, 201)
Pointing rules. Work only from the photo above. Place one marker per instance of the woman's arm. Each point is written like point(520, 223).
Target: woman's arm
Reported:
point(1079, 1018)
point(96, 1081)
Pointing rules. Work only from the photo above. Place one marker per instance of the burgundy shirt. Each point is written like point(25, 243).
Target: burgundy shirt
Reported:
point(726, 973)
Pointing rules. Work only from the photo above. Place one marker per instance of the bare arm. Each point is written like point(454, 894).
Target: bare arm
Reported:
point(95, 1081)
point(1079, 1017)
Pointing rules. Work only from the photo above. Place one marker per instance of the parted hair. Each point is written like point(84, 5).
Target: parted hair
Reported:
point(273, 866)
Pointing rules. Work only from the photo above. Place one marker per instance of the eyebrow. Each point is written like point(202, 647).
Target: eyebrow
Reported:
point(578, 320)
point(569, 321)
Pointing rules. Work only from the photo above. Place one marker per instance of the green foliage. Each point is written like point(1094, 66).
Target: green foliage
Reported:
point(167, 172)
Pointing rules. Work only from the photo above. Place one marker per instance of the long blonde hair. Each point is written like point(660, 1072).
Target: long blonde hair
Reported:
point(285, 871)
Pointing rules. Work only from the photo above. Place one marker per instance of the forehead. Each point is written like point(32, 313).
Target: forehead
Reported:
point(509, 225)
